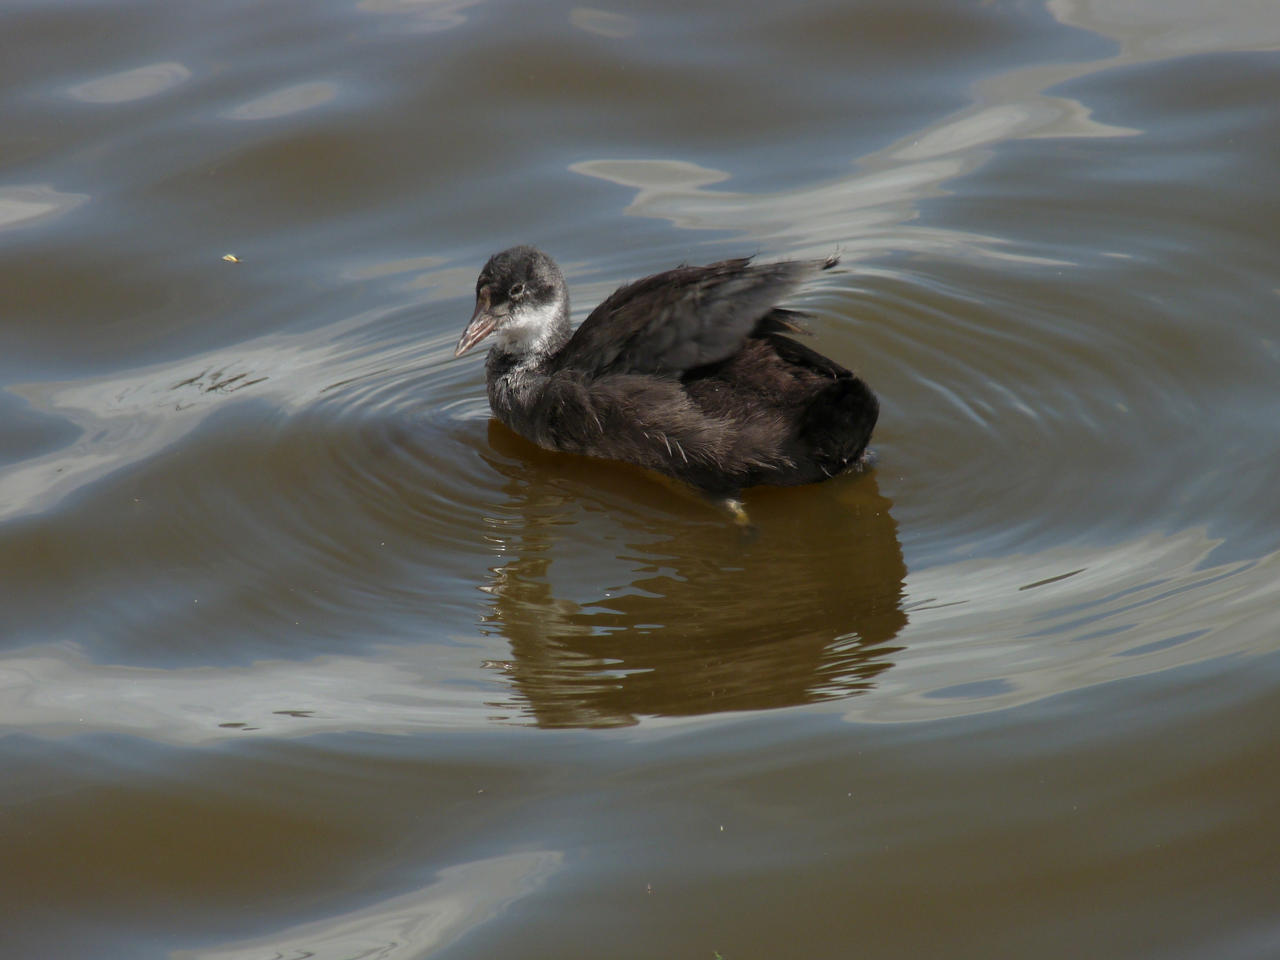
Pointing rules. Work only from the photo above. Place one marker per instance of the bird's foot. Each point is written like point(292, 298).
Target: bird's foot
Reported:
point(739, 514)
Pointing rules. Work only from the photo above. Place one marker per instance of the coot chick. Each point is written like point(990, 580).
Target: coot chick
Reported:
point(690, 372)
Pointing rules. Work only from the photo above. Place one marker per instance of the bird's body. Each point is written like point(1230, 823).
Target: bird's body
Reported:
point(690, 373)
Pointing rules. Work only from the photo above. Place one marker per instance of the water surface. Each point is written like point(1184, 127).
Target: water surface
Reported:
point(302, 654)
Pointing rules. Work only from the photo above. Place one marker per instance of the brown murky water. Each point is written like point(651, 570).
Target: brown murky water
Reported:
point(302, 656)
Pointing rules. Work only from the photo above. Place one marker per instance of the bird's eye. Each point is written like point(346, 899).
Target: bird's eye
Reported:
point(517, 290)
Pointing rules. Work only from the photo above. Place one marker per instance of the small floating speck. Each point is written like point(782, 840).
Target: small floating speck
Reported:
point(230, 258)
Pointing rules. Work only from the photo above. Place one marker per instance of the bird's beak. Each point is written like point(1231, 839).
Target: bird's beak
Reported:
point(481, 325)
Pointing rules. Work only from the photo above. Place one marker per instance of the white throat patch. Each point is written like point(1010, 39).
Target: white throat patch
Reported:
point(528, 329)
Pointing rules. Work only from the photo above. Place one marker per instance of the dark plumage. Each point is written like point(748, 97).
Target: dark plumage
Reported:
point(690, 372)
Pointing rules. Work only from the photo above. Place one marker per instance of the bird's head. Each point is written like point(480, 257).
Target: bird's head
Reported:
point(521, 298)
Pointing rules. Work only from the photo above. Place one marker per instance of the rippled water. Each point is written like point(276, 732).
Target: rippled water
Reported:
point(303, 655)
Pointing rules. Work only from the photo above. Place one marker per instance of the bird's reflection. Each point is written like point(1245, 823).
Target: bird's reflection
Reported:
point(805, 611)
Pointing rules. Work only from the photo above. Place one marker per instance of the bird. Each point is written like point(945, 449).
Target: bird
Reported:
point(693, 373)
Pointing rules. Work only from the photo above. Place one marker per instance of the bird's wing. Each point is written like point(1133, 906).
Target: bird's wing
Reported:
point(683, 318)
